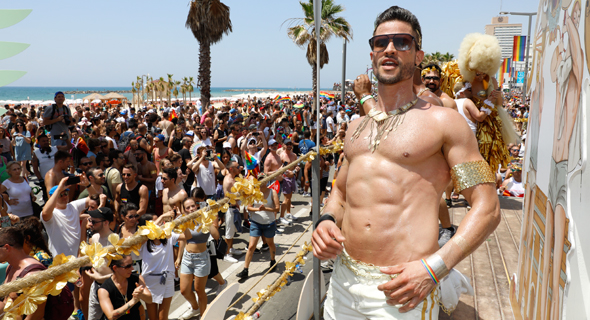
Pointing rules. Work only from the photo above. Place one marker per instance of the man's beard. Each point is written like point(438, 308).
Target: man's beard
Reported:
point(406, 72)
point(433, 87)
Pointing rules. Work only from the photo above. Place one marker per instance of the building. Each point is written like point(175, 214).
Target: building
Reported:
point(505, 33)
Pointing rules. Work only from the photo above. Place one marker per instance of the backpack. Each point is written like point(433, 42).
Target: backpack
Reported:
point(58, 307)
point(124, 141)
point(66, 116)
point(304, 146)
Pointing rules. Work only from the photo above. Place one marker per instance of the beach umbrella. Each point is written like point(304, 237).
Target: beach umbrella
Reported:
point(114, 102)
point(2, 111)
point(47, 102)
point(114, 95)
point(95, 96)
point(96, 101)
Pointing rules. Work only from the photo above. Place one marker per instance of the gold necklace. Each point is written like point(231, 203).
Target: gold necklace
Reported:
point(383, 122)
point(422, 91)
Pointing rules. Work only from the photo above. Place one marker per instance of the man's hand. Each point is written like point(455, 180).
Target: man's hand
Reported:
point(13, 202)
point(326, 240)
point(361, 86)
point(411, 285)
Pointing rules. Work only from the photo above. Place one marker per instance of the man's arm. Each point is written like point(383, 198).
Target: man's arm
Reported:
point(36, 167)
point(49, 176)
point(143, 200)
point(152, 175)
point(47, 212)
point(67, 147)
point(327, 237)
point(118, 198)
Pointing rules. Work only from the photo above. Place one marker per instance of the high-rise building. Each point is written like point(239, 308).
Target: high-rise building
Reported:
point(505, 33)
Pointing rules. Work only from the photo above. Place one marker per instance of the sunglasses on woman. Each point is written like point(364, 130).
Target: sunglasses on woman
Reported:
point(401, 42)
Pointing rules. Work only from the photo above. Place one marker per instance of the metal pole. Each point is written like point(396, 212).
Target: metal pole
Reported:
point(343, 89)
point(315, 172)
point(526, 60)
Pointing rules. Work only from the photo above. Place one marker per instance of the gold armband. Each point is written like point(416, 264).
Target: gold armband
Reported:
point(468, 174)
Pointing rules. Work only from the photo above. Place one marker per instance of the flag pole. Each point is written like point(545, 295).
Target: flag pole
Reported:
point(317, 5)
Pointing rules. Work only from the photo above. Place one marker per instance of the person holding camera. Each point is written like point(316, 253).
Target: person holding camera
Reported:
point(204, 171)
point(56, 119)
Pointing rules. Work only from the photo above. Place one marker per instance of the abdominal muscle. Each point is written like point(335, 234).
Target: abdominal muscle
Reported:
point(391, 212)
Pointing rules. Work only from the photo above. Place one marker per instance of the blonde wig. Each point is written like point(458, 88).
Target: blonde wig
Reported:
point(479, 52)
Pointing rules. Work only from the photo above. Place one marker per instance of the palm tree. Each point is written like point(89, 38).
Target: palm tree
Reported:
point(448, 57)
point(175, 91)
point(162, 86)
point(170, 89)
point(190, 88)
point(133, 91)
point(208, 20)
point(304, 33)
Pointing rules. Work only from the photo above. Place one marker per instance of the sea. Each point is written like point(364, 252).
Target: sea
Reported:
point(47, 93)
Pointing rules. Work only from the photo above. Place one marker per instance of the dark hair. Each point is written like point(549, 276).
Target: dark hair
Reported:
point(129, 206)
point(435, 66)
point(396, 13)
point(165, 114)
point(32, 231)
point(130, 166)
point(307, 134)
point(95, 197)
point(199, 193)
point(110, 128)
point(62, 155)
point(93, 143)
point(142, 222)
point(12, 236)
point(114, 154)
point(118, 263)
point(19, 121)
point(171, 172)
point(100, 157)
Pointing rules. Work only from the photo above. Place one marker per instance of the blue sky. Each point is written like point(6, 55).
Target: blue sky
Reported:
point(109, 43)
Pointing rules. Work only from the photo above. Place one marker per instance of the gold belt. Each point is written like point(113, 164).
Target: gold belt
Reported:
point(363, 269)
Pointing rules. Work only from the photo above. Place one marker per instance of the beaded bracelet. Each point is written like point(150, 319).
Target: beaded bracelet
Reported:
point(365, 98)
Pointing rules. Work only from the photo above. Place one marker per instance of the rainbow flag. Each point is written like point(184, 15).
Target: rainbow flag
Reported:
point(251, 165)
point(324, 94)
point(519, 48)
point(172, 115)
point(279, 99)
point(505, 68)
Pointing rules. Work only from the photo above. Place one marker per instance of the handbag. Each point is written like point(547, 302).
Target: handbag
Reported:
point(220, 247)
point(3, 173)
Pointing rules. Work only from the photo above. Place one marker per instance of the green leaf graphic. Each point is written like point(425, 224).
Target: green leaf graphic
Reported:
point(9, 76)
point(10, 17)
point(9, 49)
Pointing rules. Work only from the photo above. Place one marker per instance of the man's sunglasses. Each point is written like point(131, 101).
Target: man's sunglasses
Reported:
point(432, 78)
point(85, 163)
point(401, 42)
point(126, 174)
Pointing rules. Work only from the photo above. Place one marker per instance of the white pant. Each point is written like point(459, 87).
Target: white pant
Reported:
point(353, 297)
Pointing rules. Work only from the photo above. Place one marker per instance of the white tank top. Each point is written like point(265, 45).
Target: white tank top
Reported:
point(206, 178)
point(472, 125)
point(515, 188)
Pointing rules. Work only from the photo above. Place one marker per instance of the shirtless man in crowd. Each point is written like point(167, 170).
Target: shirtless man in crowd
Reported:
point(382, 215)
point(172, 195)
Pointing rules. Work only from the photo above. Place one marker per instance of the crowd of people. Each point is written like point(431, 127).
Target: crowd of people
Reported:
point(101, 169)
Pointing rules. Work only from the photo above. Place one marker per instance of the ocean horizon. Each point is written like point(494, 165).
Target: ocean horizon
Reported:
point(46, 93)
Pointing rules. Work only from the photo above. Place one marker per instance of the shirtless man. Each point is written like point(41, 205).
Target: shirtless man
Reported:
point(130, 154)
point(432, 78)
point(384, 206)
point(567, 64)
point(146, 170)
point(166, 125)
point(172, 195)
point(233, 169)
point(289, 183)
point(273, 161)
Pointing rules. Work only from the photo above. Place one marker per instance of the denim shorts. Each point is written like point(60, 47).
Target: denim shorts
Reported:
point(197, 264)
point(266, 230)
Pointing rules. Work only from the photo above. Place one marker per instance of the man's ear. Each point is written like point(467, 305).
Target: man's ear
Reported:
point(419, 57)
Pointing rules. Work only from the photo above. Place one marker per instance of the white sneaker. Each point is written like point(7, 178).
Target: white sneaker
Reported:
point(292, 217)
point(285, 222)
point(229, 258)
point(190, 313)
point(235, 252)
point(221, 287)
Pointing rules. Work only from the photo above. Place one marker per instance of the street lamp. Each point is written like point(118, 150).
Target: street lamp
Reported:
point(528, 44)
